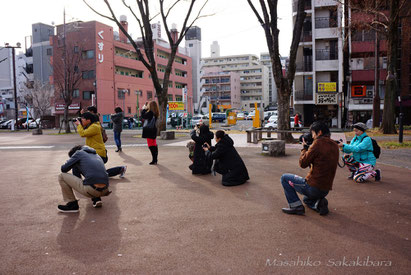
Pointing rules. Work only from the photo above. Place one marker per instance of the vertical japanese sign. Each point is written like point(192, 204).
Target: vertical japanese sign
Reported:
point(100, 46)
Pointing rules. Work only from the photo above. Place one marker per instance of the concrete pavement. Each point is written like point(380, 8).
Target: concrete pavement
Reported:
point(162, 219)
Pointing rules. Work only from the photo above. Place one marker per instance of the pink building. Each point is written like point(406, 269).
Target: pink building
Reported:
point(112, 75)
point(222, 88)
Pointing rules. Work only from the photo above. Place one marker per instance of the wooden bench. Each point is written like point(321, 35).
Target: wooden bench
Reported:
point(254, 135)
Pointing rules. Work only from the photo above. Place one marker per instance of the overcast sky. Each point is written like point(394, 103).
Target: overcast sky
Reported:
point(233, 24)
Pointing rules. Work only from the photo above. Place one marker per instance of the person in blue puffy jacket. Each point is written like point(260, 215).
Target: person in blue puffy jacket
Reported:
point(360, 158)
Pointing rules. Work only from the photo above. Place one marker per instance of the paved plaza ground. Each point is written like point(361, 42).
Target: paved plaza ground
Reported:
point(162, 219)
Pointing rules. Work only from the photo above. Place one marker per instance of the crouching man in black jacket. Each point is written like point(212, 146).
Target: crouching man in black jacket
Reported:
point(95, 183)
point(228, 161)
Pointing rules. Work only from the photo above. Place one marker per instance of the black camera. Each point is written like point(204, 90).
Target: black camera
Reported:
point(205, 145)
point(308, 138)
point(338, 141)
point(76, 119)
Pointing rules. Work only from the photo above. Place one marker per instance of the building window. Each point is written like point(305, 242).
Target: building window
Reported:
point(87, 95)
point(129, 110)
point(49, 51)
point(190, 45)
point(87, 54)
point(88, 74)
point(149, 95)
point(76, 50)
point(179, 98)
point(170, 97)
point(76, 93)
point(122, 93)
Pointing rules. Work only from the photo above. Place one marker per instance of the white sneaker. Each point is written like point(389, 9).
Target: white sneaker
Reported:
point(123, 171)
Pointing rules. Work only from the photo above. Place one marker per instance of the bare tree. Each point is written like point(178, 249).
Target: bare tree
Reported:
point(143, 17)
point(39, 99)
point(284, 84)
point(67, 67)
point(384, 19)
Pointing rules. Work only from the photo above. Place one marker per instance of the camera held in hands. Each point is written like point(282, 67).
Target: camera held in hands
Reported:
point(308, 138)
point(205, 145)
point(76, 119)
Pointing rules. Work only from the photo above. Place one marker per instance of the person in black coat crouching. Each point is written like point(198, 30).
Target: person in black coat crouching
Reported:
point(228, 161)
point(201, 134)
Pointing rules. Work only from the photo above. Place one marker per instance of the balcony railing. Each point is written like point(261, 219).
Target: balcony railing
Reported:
point(307, 5)
point(303, 95)
point(325, 22)
point(326, 55)
point(306, 66)
point(306, 36)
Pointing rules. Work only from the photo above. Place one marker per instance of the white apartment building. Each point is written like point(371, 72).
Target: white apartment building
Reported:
point(24, 76)
point(319, 64)
point(265, 59)
point(254, 78)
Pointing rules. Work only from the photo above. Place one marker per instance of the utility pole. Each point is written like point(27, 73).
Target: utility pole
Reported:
point(346, 64)
point(13, 53)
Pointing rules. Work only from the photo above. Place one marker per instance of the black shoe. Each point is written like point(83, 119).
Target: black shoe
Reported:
point(322, 207)
point(299, 210)
point(97, 203)
point(378, 175)
point(119, 150)
point(351, 177)
point(153, 162)
point(70, 207)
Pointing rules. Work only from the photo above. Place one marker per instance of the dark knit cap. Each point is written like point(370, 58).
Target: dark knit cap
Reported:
point(360, 126)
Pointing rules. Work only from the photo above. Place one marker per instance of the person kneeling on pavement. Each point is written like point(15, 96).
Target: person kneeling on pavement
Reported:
point(227, 160)
point(95, 183)
point(362, 161)
point(200, 135)
point(322, 157)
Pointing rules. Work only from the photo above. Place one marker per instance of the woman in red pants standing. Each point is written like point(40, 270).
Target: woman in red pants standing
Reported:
point(150, 115)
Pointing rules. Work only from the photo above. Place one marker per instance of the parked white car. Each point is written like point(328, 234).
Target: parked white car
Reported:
point(34, 123)
point(273, 118)
point(197, 119)
point(250, 115)
point(271, 125)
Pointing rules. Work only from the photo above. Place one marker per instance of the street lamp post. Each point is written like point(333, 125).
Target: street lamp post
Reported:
point(13, 53)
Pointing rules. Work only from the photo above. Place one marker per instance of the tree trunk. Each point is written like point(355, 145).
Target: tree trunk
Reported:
point(162, 104)
point(284, 114)
point(65, 119)
point(376, 100)
point(388, 122)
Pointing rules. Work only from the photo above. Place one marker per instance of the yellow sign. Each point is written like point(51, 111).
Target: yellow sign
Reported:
point(327, 87)
point(176, 106)
point(225, 106)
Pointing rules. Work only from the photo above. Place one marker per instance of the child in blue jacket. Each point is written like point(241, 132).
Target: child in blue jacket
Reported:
point(362, 161)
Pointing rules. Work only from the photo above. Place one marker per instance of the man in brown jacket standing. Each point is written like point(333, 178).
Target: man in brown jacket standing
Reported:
point(322, 157)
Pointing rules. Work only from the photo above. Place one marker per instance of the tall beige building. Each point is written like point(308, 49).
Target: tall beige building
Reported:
point(318, 78)
point(254, 78)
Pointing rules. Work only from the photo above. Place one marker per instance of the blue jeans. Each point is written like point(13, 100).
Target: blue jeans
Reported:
point(117, 139)
point(293, 184)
